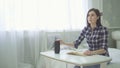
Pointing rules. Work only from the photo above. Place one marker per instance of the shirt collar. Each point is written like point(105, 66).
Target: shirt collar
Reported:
point(96, 28)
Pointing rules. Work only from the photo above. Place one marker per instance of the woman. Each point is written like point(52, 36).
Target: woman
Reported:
point(96, 36)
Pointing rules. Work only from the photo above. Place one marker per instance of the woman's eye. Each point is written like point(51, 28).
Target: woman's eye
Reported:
point(92, 14)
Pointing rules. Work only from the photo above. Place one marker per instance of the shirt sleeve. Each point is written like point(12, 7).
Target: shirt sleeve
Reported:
point(80, 38)
point(104, 39)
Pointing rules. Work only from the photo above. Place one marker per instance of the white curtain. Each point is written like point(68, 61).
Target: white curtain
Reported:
point(26, 25)
point(50, 15)
point(21, 49)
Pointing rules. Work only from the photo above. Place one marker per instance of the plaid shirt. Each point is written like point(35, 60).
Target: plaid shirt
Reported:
point(96, 39)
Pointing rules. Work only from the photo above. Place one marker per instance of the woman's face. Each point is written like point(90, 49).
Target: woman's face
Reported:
point(92, 17)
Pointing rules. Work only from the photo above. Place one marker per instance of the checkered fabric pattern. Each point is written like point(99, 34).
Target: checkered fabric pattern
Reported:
point(96, 38)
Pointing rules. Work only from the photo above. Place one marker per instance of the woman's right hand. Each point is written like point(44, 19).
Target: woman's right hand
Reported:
point(62, 42)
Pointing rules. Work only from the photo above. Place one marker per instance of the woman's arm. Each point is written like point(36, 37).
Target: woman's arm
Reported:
point(68, 44)
point(100, 51)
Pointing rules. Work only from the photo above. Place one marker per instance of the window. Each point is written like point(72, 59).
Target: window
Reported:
point(50, 15)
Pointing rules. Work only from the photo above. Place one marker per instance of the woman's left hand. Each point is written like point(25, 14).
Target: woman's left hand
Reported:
point(87, 52)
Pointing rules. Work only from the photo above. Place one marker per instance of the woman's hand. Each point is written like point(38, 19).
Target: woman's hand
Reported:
point(62, 42)
point(87, 52)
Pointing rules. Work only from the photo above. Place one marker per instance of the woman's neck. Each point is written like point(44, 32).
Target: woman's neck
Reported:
point(93, 26)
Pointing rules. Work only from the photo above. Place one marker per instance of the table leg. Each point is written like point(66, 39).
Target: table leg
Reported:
point(66, 65)
point(81, 66)
point(103, 65)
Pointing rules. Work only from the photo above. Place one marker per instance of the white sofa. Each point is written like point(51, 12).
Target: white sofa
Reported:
point(115, 54)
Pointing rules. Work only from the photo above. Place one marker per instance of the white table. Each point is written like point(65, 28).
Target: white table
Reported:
point(77, 60)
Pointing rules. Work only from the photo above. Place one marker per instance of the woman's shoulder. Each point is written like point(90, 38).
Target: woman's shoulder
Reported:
point(86, 27)
point(103, 27)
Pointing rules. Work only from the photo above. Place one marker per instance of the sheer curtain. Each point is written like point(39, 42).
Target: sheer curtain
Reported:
point(50, 15)
point(28, 27)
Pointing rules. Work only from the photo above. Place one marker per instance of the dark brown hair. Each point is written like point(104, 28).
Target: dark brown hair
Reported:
point(97, 12)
